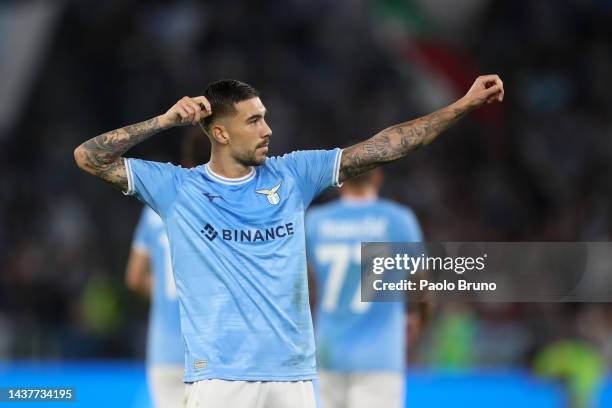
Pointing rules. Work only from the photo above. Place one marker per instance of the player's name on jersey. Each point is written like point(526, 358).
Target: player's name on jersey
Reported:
point(371, 227)
point(425, 285)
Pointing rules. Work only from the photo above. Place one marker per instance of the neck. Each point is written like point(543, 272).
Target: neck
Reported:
point(365, 193)
point(226, 166)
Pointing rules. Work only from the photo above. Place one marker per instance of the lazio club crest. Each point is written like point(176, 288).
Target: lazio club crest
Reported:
point(272, 195)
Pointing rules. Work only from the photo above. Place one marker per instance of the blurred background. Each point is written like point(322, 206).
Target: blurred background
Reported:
point(331, 73)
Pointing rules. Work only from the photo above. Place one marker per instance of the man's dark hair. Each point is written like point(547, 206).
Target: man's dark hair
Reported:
point(223, 94)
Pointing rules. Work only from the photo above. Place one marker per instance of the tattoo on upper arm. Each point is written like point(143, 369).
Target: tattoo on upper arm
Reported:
point(363, 157)
point(101, 156)
point(115, 174)
point(395, 142)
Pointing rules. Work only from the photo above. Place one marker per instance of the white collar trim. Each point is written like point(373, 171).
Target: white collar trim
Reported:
point(228, 180)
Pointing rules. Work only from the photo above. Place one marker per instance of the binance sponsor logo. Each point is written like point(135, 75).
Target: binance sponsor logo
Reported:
point(249, 235)
point(209, 232)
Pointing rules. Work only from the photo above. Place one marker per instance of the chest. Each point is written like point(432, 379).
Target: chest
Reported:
point(262, 202)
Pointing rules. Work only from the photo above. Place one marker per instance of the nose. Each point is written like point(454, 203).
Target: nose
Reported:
point(267, 130)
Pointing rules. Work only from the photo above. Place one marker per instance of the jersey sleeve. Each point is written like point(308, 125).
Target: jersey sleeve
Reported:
point(141, 240)
point(155, 184)
point(314, 170)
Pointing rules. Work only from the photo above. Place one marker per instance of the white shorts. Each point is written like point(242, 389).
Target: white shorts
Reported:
point(166, 385)
point(361, 390)
point(249, 394)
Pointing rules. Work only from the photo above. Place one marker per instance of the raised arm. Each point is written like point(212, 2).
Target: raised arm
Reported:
point(397, 141)
point(101, 155)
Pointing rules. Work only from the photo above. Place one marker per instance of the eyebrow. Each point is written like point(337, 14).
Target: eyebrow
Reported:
point(257, 115)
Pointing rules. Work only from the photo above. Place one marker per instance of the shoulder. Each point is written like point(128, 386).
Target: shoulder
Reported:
point(190, 172)
point(304, 157)
point(287, 164)
point(321, 211)
point(153, 170)
point(325, 209)
point(160, 166)
point(401, 216)
point(396, 208)
point(283, 160)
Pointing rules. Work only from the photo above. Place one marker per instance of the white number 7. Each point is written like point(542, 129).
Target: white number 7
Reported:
point(340, 257)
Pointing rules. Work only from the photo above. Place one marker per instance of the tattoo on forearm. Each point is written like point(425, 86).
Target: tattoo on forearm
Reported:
point(101, 155)
point(396, 142)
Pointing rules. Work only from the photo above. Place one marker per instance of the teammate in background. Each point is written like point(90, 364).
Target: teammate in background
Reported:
point(236, 231)
point(149, 272)
point(360, 345)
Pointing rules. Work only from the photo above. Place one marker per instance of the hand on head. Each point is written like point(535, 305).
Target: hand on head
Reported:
point(187, 111)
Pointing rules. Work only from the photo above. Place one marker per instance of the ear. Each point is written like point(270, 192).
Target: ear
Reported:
point(219, 134)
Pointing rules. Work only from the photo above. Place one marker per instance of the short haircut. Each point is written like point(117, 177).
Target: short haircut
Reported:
point(223, 94)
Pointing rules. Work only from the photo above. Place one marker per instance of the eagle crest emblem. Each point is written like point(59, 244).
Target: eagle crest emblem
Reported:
point(271, 194)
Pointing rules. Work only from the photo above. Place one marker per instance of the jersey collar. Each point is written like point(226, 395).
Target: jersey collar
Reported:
point(228, 180)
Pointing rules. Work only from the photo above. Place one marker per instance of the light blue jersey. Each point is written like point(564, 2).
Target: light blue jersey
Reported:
point(164, 343)
point(239, 260)
point(355, 336)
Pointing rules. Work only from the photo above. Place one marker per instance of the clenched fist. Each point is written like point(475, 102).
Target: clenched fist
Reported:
point(187, 111)
point(486, 89)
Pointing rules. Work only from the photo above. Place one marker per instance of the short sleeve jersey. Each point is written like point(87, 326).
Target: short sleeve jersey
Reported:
point(239, 261)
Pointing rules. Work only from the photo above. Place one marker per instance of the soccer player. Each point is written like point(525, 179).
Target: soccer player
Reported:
point(236, 232)
point(360, 345)
point(149, 271)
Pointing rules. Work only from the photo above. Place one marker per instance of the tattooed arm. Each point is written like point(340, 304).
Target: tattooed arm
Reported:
point(397, 141)
point(101, 156)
